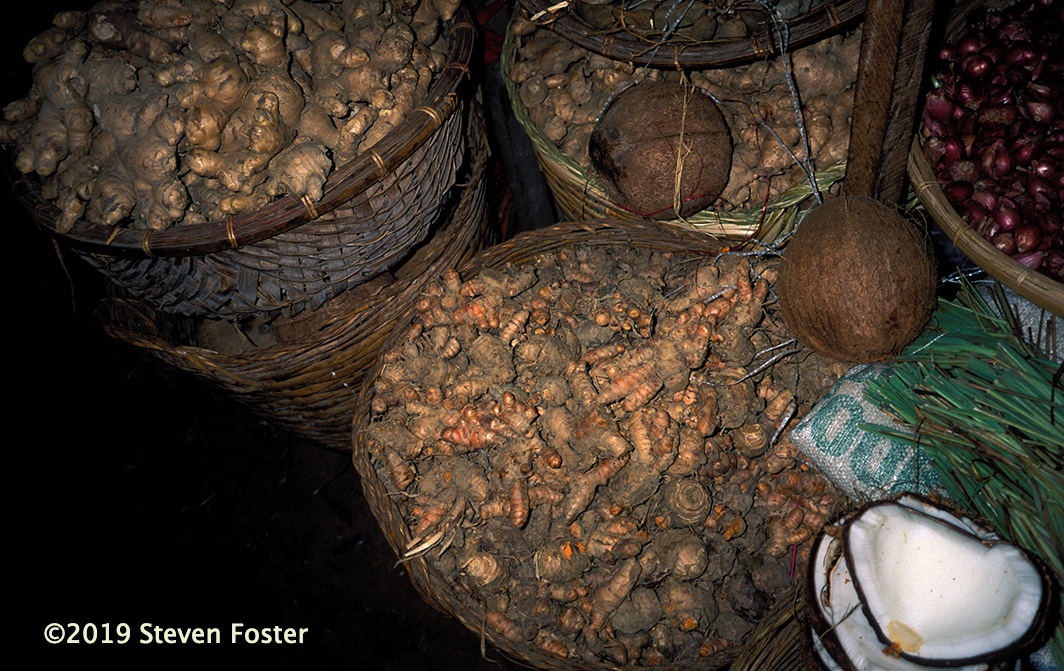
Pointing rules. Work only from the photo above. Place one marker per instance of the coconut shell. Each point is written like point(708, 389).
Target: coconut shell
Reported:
point(857, 281)
point(652, 133)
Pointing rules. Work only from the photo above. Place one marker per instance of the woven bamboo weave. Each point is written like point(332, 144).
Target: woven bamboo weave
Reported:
point(294, 254)
point(309, 384)
point(680, 51)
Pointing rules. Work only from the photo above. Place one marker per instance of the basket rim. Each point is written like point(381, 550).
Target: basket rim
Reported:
point(288, 212)
point(820, 21)
point(771, 221)
point(1033, 285)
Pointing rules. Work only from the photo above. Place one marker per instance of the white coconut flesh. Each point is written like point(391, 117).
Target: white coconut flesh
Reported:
point(936, 592)
point(923, 505)
point(845, 621)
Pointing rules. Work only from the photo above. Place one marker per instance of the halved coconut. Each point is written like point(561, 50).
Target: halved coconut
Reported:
point(938, 594)
point(842, 636)
point(925, 506)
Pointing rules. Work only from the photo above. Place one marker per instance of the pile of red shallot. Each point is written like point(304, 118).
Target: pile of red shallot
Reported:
point(993, 129)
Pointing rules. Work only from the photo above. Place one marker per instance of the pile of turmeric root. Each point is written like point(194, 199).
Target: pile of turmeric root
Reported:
point(590, 450)
point(155, 113)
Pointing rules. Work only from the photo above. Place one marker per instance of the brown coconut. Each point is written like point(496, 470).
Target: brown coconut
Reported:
point(857, 281)
point(661, 143)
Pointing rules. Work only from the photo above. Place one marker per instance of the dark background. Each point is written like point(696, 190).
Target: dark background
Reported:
point(141, 495)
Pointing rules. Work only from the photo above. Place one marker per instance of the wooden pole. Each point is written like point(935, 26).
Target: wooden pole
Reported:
point(889, 73)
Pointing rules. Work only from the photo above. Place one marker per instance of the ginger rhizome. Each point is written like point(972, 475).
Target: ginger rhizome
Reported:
point(159, 112)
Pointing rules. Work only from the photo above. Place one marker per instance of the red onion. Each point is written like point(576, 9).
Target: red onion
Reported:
point(1013, 31)
point(1027, 236)
point(1051, 223)
point(995, 52)
point(1000, 94)
point(993, 130)
point(1039, 191)
point(1045, 168)
point(1004, 243)
point(957, 191)
point(1007, 218)
point(971, 44)
point(963, 170)
point(939, 108)
point(977, 65)
point(975, 214)
point(1023, 54)
point(1014, 188)
point(1032, 260)
point(998, 115)
point(995, 160)
point(1041, 90)
point(970, 94)
point(954, 149)
point(1041, 112)
point(932, 127)
point(1016, 75)
point(1054, 263)
point(1024, 148)
point(984, 194)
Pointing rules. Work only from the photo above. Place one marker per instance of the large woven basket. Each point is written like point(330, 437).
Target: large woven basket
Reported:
point(817, 21)
point(777, 643)
point(295, 254)
point(309, 382)
point(579, 196)
point(1035, 286)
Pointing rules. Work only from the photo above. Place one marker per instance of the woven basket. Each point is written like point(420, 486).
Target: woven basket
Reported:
point(295, 254)
point(580, 197)
point(309, 384)
point(1035, 286)
point(820, 21)
point(776, 643)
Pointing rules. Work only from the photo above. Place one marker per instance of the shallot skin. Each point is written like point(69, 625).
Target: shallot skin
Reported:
point(993, 129)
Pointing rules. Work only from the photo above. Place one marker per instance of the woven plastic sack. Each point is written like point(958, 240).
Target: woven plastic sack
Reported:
point(863, 464)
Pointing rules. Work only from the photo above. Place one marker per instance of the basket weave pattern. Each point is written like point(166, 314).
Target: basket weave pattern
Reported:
point(309, 384)
point(302, 268)
point(294, 254)
point(816, 23)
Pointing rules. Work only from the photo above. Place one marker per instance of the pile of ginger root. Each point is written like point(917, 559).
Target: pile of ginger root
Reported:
point(565, 89)
point(591, 451)
point(155, 113)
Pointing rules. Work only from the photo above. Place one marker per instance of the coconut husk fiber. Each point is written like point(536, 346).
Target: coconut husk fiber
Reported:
point(662, 149)
point(858, 280)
